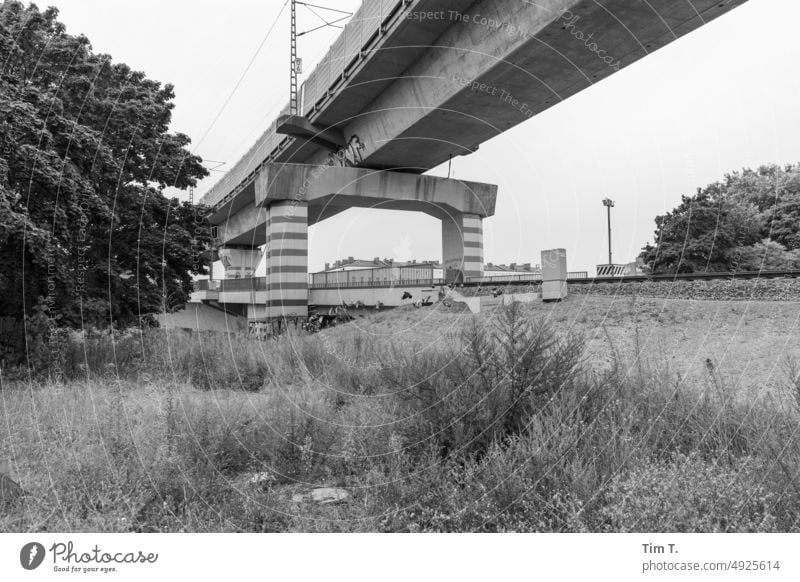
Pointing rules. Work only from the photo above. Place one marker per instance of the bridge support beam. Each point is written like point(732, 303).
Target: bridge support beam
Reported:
point(287, 260)
point(462, 247)
point(239, 263)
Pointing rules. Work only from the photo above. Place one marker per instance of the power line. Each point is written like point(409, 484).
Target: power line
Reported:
point(306, 4)
point(216, 167)
point(243, 75)
point(294, 62)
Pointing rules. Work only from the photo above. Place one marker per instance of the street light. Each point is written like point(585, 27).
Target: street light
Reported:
point(609, 204)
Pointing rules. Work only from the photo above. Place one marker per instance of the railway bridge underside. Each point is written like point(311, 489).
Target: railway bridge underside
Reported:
point(274, 212)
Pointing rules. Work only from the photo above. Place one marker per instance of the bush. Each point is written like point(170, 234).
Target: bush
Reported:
point(489, 387)
point(501, 430)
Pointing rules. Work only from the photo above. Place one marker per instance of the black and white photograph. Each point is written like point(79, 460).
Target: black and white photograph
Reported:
point(376, 267)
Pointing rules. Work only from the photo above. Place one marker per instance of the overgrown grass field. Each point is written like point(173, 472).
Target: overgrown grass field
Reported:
point(503, 422)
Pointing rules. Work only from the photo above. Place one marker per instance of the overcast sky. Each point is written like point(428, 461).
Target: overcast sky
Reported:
point(720, 99)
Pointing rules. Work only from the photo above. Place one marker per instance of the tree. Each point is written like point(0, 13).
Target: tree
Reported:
point(85, 158)
point(767, 255)
point(729, 221)
point(701, 234)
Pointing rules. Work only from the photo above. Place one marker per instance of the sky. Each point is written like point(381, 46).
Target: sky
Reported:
point(720, 99)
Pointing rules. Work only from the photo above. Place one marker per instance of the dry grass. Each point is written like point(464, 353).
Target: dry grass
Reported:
point(433, 421)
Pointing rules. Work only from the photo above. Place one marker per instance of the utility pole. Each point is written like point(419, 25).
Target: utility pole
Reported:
point(293, 64)
point(609, 204)
point(296, 64)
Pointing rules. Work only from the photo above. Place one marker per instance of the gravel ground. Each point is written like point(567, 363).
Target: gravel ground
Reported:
point(737, 290)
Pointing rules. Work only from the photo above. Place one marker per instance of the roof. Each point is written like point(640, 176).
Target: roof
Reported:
point(376, 263)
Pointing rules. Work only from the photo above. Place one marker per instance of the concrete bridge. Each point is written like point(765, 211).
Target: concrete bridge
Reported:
point(408, 85)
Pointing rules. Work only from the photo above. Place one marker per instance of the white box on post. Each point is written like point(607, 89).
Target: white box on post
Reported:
point(554, 275)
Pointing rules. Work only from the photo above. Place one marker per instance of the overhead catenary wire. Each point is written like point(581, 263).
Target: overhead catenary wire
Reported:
point(327, 23)
point(243, 75)
point(294, 61)
point(306, 4)
point(255, 56)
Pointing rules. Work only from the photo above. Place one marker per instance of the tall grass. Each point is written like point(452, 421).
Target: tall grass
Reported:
point(502, 429)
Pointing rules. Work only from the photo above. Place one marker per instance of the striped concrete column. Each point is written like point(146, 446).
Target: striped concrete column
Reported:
point(287, 260)
point(462, 247)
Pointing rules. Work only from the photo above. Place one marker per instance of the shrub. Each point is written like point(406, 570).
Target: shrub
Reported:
point(488, 388)
point(501, 429)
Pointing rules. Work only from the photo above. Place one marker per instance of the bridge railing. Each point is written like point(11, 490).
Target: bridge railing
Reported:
point(379, 276)
point(488, 280)
point(382, 277)
point(260, 284)
point(347, 48)
point(378, 284)
point(332, 69)
point(522, 277)
point(232, 285)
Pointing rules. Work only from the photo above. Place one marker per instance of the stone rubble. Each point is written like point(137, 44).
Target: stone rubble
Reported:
point(714, 290)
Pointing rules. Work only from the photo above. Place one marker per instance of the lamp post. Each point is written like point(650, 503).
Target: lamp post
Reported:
point(609, 204)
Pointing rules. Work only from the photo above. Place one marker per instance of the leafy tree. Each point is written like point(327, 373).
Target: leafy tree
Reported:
point(729, 224)
point(701, 234)
point(85, 157)
point(767, 255)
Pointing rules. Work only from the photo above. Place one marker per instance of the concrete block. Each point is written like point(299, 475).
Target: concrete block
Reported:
point(554, 290)
point(521, 298)
point(554, 265)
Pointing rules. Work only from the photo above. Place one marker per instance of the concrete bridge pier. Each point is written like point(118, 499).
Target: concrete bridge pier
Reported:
point(462, 246)
point(277, 208)
point(239, 263)
point(287, 260)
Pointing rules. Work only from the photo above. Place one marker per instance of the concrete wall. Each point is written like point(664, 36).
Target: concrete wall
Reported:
point(201, 317)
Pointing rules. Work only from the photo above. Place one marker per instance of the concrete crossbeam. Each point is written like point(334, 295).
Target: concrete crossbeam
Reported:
point(329, 190)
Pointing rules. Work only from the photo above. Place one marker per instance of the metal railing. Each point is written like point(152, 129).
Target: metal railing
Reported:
point(378, 284)
point(260, 284)
point(357, 279)
point(524, 277)
point(232, 285)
